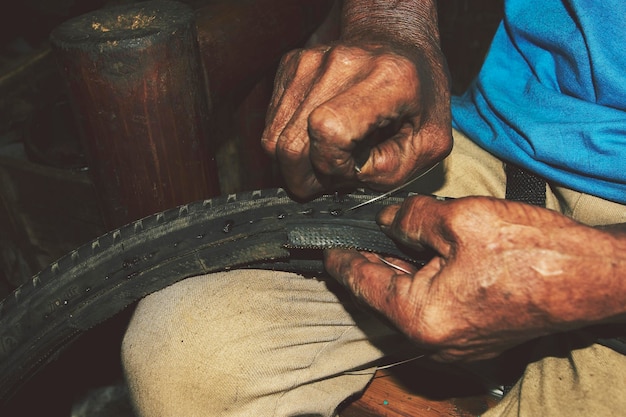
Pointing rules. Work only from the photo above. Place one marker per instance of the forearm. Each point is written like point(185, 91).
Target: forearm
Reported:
point(615, 268)
point(590, 264)
point(406, 22)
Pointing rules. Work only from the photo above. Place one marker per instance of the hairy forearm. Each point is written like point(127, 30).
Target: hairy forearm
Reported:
point(406, 22)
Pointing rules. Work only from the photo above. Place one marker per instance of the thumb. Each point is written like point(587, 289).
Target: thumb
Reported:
point(418, 222)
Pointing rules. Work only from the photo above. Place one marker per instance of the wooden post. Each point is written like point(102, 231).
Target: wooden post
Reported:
point(241, 43)
point(150, 81)
point(136, 82)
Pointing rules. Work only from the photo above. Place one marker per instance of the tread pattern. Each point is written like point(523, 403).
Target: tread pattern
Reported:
point(263, 229)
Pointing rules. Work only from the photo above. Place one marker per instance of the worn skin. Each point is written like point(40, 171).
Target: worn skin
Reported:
point(505, 272)
point(328, 99)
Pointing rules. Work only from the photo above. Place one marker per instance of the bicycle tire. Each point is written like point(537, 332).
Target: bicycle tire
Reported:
point(263, 229)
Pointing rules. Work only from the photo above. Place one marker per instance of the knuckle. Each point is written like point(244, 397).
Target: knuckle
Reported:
point(291, 56)
point(308, 61)
point(290, 150)
point(288, 63)
point(330, 164)
point(324, 125)
point(389, 70)
point(467, 214)
point(411, 207)
point(299, 64)
point(290, 146)
point(396, 66)
point(268, 145)
point(343, 55)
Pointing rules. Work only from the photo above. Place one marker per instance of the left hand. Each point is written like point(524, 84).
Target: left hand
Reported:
point(505, 273)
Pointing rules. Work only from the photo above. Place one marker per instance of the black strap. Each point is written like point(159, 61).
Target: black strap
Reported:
point(524, 186)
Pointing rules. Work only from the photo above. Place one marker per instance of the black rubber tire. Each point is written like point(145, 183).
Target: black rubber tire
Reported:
point(262, 229)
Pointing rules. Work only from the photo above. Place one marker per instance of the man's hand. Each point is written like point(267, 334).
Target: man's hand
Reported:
point(372, 109)
point(505, 273)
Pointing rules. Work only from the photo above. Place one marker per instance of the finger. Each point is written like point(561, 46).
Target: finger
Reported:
point(298, 174)
point(274, 125)
point(337, 125)
point(393, 293)
point(386, 216)
point(350, 267)
point(407, 154)
point(285, 137)
point(419, 221)
point(398, 264)
point(297, 72)
point(385, 220)
point(293, 144)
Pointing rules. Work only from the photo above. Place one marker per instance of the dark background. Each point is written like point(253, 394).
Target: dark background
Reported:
point(37, 129)
point(47, 202)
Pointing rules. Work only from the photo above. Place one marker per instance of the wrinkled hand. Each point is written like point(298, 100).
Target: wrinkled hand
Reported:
point(329, 99)
point(505, 273)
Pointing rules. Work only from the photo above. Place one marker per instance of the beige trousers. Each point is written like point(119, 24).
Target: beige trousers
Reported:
point(262, 343)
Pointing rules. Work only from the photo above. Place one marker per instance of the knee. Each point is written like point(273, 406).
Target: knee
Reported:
point(196, 345)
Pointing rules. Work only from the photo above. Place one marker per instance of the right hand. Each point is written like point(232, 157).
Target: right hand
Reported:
point(329, 99)
point(503, 273)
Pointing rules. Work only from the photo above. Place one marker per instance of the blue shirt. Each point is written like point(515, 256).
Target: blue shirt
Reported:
point(551, 95)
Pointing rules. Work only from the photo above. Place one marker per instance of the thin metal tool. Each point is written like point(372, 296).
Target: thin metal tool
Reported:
point(394, 266)
point(368, 371)
point(395, 190)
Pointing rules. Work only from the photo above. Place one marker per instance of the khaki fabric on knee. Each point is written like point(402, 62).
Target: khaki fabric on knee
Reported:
point(250, 343)
point(568, 381)
point(263, 343)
